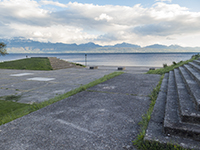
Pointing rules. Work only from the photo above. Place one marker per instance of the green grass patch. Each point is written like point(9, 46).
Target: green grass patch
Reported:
point(166, 68)
point(27, 64)
point(10, 109)
point(158, 146)
point(147, 145)
point(13, 110)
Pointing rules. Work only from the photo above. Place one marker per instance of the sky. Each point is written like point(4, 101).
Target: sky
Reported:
point(104, 22)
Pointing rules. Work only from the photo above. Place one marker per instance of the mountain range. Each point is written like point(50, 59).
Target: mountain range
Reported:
point(22, 45)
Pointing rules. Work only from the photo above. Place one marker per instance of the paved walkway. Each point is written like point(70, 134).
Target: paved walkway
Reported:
point(105, 117)
point(38, 86)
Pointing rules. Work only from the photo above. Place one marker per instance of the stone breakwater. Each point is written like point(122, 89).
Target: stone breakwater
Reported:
point(57, 63)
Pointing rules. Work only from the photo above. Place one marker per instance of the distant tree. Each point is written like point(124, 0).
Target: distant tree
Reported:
point(3, 50)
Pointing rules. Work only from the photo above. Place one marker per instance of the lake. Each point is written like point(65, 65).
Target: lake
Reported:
point(114, 59)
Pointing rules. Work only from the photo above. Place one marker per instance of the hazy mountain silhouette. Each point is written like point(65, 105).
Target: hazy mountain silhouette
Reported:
point(26, 45)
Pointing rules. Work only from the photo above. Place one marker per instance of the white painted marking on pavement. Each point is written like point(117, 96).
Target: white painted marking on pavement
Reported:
point(41, 79)
point(109, 87)
point(74, 126)
point(21, 74)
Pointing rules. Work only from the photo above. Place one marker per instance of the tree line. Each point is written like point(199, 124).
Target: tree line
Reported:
point(3, 50)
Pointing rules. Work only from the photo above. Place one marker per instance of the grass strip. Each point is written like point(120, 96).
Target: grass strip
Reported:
point(158, 146)
point(166, 69)
point(13, 110)
point(149, 145)
point(77, 90)
point(7, 107)
point(27, 64)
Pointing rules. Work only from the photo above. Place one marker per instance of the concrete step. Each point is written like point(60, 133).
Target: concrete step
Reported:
point(158, 114)
point(172, 123)
point(197, 62)
point(193, 72)
point(187, 107)
point(155, 127)
point(194, 65)
point(57, 63)
point(193, 87)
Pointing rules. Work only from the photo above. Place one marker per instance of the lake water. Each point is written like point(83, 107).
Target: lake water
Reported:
point(127, 59)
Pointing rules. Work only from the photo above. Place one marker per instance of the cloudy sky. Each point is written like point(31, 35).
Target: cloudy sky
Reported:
point(104, 22)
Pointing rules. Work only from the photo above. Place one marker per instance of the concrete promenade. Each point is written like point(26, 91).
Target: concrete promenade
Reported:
point(38, 86)
point(104, 117)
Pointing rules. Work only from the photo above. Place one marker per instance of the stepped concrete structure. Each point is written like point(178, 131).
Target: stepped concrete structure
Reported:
point(176, 115)
point(57, 63)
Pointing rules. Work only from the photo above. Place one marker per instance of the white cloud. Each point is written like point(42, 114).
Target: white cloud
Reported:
point(21, 9)
point(103, 17)
point(163, 1)
point(45, 2)
point(54, 33)
point(108, 24)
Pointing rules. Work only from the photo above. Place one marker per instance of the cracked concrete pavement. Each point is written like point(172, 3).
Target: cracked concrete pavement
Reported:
point(38, 86)
point(104, 117)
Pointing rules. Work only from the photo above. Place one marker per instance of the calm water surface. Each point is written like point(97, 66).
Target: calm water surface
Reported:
point(131, 59)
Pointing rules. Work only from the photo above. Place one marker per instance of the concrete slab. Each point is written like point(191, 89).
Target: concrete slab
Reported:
point(15, 81)
point(84, 121)
point(45, 94)
point(90, 120)
point(24, 85)
point(38, 86)
point(6, 92)
point(138, 84)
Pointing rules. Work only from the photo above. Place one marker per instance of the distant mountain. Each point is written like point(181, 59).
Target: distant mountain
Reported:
point(126, 45)
point(89, 45)
point(157, 46)
point(175, 47)
point(29, 45)
point(172, 47)
point(22, 45)
point(47, 47)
